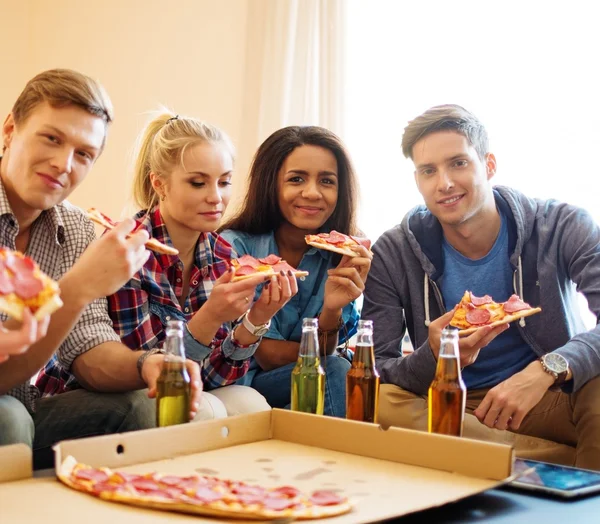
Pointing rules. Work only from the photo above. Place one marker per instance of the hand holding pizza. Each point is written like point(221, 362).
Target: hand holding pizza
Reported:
point(110, 261)
point(346, 282)
point(151, 370)
point(275, 294)
point(18, 341)
point(468, 346)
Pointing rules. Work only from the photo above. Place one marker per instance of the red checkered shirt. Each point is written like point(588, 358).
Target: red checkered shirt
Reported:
point(141, 309)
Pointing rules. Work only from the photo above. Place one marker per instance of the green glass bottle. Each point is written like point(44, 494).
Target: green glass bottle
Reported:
point(308, 377)
point(173, 385)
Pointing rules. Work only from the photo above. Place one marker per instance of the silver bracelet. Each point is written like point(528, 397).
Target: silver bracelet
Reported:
point(144, 356)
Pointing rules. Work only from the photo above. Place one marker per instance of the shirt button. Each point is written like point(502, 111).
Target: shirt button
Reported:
point(187, 309)
point(168, 317)
point(195, 282)
point(178, 280)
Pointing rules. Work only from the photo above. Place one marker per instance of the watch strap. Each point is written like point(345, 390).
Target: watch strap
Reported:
point(256, 331)
point(142, 358)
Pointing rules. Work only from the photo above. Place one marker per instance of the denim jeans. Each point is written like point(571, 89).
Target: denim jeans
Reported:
point(276, 385)
point(75, 414)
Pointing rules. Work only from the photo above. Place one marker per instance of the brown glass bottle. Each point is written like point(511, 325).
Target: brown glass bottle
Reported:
point(362, 380)
point(447, 393)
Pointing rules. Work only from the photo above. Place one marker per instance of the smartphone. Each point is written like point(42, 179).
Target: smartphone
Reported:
point(552, 479)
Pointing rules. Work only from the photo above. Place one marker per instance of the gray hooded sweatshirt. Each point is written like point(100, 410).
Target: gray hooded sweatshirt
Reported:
point(555, 252)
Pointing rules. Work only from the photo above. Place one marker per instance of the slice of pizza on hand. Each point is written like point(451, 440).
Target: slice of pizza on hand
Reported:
point(247, 266)
point(473, 312)
point(338, 243)
point(24, 285)
point(201, 495)
point(102, 220)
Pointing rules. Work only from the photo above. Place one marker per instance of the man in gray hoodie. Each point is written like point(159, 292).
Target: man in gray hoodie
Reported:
point(533, 383)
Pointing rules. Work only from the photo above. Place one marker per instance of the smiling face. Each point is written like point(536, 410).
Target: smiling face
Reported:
point(307, 187)
point(49, 154)
point(198, 190)
point(452, 178)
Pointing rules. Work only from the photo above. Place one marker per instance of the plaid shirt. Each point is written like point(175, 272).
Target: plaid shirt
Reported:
point(58, 238)
point(141, 309)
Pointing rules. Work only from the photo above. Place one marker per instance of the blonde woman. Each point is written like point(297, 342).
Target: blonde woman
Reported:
point(182, 185)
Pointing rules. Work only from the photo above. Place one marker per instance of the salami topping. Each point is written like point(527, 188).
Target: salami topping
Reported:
point(207, 495)
point(270, 260)
point(122, 478)
point(325, 498)
point(27, 286)
point(278, 504)
point(479, 301)
point(514, 304)
point(478, 317)
point(243, 489)
point(91, 474)
point(248, 499)
point(19, 265)
point(336, 238)
point(245, 270)
point(144, 484)
point(106, 486)
point(362, 241)
point(282, 266)
point(171, 480)
point(288, 491)
point(248, 260)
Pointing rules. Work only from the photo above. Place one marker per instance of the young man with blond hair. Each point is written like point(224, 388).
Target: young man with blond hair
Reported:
point(534, 384)
point(51, 139)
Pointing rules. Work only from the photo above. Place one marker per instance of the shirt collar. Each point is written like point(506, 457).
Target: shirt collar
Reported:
point(51, 218)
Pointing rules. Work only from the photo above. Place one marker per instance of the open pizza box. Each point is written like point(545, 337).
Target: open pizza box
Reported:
point(385, 473)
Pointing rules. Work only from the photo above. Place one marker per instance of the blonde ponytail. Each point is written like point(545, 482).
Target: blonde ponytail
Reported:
point(163, 144)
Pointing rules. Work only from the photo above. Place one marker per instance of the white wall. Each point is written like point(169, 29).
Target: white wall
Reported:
point(189, 55)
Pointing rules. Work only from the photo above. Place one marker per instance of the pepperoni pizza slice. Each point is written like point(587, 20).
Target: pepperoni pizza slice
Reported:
point(202, 495)
point(337, 242)
point(23, 285)
point(102, 220)
point(247, 266)
point(474, 312)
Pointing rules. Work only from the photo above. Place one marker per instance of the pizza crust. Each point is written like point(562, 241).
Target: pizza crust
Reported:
point(505, 320)
point(329, 247)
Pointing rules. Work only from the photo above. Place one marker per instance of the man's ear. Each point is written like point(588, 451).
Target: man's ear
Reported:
point(8, 129)
point(490, 165)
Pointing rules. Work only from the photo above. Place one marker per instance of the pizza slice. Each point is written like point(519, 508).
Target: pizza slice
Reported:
point(337, 242)
point(201, 495)
point(474, 312)
point(102, 220)
point(24, 285)
point(247, 266)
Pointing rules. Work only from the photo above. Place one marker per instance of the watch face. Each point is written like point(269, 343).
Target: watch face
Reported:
point(262, 331)
point(555, 362)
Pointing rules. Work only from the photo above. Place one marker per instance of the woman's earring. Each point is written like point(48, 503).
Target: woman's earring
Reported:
point(162, 198)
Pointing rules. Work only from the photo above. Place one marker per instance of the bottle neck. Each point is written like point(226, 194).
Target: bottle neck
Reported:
point(364, 356)
point(448, 364)
point(309, 343)
point(174, 348)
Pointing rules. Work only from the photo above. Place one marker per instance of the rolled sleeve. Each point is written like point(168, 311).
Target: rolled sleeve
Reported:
point(93, 328)
point(235, 351)
point(194, 350)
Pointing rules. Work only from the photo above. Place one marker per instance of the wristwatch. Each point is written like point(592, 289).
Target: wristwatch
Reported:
point(557, 366)
point(257, 331)
point(145, 355)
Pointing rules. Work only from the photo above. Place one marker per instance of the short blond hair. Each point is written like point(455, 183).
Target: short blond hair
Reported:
point(163, 144)
point(60, 88)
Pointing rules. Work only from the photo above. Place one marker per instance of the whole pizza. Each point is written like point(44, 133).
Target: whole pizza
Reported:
point(202, 495)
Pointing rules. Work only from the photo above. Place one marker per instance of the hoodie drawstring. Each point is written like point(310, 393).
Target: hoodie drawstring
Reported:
point(520, 271)
point(426, 292)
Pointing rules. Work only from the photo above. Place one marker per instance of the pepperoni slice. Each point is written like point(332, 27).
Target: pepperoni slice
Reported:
point(19, 265)
point(326, 498)
point(105, 487)
point(478, 317)
point(144, 484)
point(245, 270)
point(248, 260)
point(6, 284)
point(270, 260)
point(336, 238)
point(480, 301)
point(362, 241)
point(288, 491)
point(248, 499)
point(243, 489)
point(91, 474)
point(207, 495)
point(170, 480)
point(124, 478)
point(514, 304)
point(278, 504)
point(282, 266)
point(27, 286)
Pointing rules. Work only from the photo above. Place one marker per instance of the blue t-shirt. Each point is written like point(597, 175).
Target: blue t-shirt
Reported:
point(308, 302)
point(491, 275)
